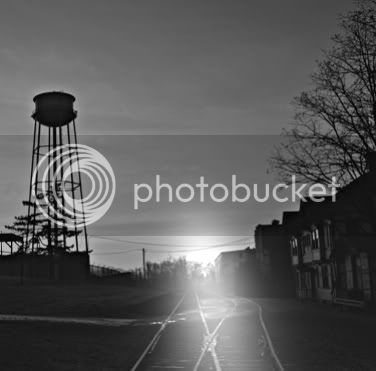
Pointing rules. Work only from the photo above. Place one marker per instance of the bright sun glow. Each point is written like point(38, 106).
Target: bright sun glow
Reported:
point(202, 242)
point(207, 254)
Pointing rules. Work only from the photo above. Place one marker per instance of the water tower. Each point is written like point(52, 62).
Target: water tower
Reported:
point(54, 130)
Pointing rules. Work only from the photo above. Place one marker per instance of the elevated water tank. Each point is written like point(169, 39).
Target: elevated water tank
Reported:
point(54, 108)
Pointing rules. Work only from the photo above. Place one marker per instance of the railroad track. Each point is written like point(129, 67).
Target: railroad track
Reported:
point(211, 337)
point(188, 338)
point(156, 337)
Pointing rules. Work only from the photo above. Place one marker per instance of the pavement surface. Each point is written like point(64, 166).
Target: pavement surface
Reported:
point(196, 331)
point(311, 336)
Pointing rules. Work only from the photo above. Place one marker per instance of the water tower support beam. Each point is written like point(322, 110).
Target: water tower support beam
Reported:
point(81, 193)
point(31, 177)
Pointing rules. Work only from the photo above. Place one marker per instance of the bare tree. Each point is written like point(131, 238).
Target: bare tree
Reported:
point(335, 122)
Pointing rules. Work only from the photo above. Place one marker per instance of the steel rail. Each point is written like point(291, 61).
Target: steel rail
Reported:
point(212, 336)
point(156, 337)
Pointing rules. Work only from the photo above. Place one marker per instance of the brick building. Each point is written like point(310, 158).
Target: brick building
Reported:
point(273, 260)
point(333, 244)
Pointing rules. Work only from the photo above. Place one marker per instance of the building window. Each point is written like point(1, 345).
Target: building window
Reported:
point(357, 272)
point(328, 236)
point(325, 277)
point(294, 246)
point(298, 281)
point(342, 275)
point(306, 242)
point(315, 238)
point(308, 283)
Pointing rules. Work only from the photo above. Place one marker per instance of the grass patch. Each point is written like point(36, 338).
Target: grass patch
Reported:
point(58, 347)
point(82, 300)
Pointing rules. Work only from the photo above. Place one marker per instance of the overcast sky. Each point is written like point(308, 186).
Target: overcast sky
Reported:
point(161, 67)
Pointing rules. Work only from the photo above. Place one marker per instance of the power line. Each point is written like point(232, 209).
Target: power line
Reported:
point(194, 250)
point(146, 243)
point(238, 242)
point(116, 252)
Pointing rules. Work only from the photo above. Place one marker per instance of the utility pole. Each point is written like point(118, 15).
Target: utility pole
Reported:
point(143, 263)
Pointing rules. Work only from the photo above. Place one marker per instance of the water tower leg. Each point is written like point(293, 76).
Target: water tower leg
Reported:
point(36, 154)
point(73, 185)
point(62, 187)
point(31, 180)
point(81, 193)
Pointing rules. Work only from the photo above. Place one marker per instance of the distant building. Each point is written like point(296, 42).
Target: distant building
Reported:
point(273, 260)
point(233, 269)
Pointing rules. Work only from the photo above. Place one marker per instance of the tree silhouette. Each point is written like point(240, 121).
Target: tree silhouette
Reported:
point(335, 122)
point(39, 234)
